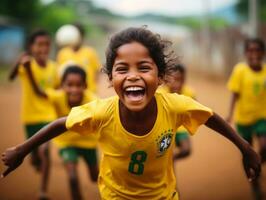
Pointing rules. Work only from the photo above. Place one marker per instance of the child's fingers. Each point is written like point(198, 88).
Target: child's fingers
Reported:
point(253, 173)
point(248, 172)
point(8, 170)
point(257, 170)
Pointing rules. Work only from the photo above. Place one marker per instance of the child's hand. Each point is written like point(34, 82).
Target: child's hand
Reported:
point(252, 164)
point(25, 59)
point(12, 158)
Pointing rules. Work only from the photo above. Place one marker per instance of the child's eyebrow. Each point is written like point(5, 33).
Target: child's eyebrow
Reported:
point(120, 63)
point(145, 61)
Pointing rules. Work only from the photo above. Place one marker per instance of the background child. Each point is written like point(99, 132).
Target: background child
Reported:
point(71, 144)
point(36, 110)
point(82, 55)
point(248, 86)
point(174, 82)
point(136, 127)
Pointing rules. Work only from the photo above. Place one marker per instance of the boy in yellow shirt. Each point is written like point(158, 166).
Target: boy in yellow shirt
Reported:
point(81, 55)
point(136, 128)
point(248, 86)
point(36, 110)
point(174, 82)
point(72, 145)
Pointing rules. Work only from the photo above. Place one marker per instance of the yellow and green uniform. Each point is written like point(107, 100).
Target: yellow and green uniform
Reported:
point(72, 144)
point(250, 108)
point(181, 133)
point(36, 109)
point(137, 167)
point(86, 57)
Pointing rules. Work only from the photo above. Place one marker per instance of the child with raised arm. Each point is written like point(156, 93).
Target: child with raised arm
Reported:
point(136, 128)
point(248, 86)
point(36, 110)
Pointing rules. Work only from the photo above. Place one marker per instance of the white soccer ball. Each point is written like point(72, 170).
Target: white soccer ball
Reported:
point(67, 35)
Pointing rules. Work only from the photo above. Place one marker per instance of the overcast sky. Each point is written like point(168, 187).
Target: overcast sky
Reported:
point(168, 7)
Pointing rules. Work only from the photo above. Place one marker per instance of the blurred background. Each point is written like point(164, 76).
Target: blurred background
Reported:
point(207, 36)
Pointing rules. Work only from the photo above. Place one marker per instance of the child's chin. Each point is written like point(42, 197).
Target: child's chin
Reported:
point(75, 100)
point(135, 107)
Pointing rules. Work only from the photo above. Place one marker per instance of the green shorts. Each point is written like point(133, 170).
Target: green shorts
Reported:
point(71, 154)
point(258, 128)
point(180, 136)
point(31, 129)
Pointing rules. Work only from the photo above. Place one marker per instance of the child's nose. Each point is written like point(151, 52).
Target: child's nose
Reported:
point(133, 77)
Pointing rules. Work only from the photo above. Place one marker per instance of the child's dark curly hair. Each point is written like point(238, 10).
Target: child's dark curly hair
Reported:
point(74, 69)
point(176, 68)
point(157, 47)
point(257, 41)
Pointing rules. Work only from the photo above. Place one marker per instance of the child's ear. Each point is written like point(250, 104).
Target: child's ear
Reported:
point(161, 80)
point(85, 85)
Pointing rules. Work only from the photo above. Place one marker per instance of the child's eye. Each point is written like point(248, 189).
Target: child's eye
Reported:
point(121, 69)
point(144, 68)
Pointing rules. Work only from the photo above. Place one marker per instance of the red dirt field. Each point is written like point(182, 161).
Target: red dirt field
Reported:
point(213, 172)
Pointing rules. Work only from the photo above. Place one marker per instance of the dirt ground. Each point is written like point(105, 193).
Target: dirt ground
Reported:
point(213, 172)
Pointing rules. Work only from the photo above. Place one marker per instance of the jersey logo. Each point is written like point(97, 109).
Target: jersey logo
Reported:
point(164, 141)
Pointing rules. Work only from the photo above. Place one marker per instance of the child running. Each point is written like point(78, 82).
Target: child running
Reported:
point(248, 86)
point(36, 110)
point(72, 145)
point(82, 55)
point(136, 128)
point(174, 82)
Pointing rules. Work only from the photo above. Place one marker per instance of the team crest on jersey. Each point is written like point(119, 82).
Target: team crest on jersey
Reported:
point(164, 141)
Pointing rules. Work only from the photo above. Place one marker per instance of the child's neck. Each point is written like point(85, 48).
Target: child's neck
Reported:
point(139, 123)
point(256, 68)
point(73, 104)
point(75, 49)
point(41, 63)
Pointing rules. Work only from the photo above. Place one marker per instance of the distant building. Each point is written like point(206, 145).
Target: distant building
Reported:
point(11, 41)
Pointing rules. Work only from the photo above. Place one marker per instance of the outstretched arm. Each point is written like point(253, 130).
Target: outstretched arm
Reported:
point(251, 160)
point(14, 156)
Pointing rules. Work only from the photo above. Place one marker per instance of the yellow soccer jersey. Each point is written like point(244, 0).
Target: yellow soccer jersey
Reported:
point(70, 138)
point(86, 57)
point(251, 87)
point(187, 91)
point(137, 167)
point(37, 109)
point(163, 89)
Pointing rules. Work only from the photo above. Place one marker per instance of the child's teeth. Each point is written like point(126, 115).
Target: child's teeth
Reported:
point(133, 88)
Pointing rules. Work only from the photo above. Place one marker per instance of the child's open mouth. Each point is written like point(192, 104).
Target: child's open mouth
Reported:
point(134, 93)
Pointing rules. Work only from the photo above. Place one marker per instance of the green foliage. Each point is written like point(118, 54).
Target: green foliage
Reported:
point(242, 9)
point(191, 22)
point(215, 23)
point(53, 16)
point(218, 23)
point(24, 11)
point(32, 13)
